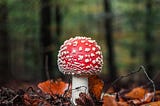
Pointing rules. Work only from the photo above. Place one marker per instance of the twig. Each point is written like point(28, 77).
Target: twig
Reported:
point(69, 85)
point(154, 88)
point(133, 72)
point(30, 89)
point(77, 88)
point(12, 100)
point(127, 75)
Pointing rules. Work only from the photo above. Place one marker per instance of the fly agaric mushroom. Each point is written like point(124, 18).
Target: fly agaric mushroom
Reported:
point(80, 57)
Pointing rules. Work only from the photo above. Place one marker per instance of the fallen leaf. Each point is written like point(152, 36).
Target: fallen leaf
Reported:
point(157, 103)
point(123, 104)
point(148, 97)
point(139, 96)
point(137, 93)
point(53, 87)
point(95, 86)
point(109, 100)
point(157, 95)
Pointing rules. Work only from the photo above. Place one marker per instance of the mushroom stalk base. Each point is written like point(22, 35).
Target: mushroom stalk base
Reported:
point(79, 84)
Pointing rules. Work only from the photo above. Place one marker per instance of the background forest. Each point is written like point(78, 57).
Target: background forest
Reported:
point(31, 32)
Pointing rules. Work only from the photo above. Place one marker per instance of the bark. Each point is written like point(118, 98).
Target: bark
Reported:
point(109, 40)
point(46, 38)
point(56, 38)
point(50, 44)
point(4, 45)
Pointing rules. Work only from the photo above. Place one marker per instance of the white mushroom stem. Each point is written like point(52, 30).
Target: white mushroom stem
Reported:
point(79, 84)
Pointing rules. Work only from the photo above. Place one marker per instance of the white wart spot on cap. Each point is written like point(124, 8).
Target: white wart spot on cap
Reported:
point(65, 52)
point(93, 48)
point(92, 54)
point(80, 57)
point(96, 66)
point(86, 44)
point(67, 56)
point(98, 52)
point(80, 48)
point(88, 66)
point(73, 51)
point(82, 41)
point(94, 61)
point(87, 49)
point(98, 46)
point(82, 65)
point(98, 59)
point(86, 60)
point(75, 43)
point(65, 42)
point(91, 41)
point(69, 44)
point(87, 55)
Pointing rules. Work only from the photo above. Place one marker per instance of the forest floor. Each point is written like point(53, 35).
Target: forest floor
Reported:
point(58, 93)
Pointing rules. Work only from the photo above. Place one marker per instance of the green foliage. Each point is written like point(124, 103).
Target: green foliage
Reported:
point(131, 18)
point(85, 18)
point(23, 24)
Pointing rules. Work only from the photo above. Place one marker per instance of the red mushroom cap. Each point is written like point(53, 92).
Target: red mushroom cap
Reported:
point(80, 56)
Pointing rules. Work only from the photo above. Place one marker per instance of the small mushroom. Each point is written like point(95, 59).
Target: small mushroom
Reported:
point(80, 57)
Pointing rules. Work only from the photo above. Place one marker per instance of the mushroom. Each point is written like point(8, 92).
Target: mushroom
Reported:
point(80, 57)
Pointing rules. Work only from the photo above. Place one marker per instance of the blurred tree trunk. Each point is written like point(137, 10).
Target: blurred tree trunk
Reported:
point(46, 39)
point(148, 39)
point(109, 40)
point(58, 20)
point(50, 44)
point(56, 38)
point(4, 45)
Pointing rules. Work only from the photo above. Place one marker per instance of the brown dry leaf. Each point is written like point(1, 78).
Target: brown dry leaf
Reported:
point(123, 104)
point(53, 87)
point(109, 100)
point(157, 103)
point(139, 96)
point(95, 86)
point(157, 96)
point(148, 97)
point(136, 93)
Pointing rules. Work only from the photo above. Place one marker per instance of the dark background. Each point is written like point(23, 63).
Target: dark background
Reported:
point(31, 32)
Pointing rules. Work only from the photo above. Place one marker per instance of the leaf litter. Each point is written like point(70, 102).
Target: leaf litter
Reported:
point(58, 93)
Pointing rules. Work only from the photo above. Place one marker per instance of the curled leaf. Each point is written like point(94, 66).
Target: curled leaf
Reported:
point(95, 86)
point(157, 103)
point(139, 96)
point(137, 93)
point(53, 87)
point(109, 100)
